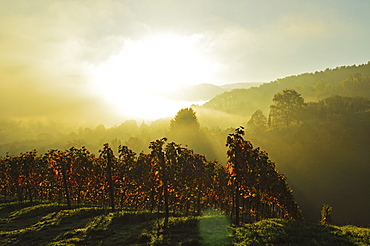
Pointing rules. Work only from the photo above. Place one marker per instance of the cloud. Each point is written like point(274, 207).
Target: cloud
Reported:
point(297, 38)
point(48, 46)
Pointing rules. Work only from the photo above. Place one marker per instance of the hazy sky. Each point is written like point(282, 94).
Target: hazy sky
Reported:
point(89, 60)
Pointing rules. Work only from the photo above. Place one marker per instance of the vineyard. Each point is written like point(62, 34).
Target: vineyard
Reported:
point(171, 179)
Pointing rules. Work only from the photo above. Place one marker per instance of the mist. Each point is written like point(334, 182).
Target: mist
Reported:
point(52, 98)
point(51, 49)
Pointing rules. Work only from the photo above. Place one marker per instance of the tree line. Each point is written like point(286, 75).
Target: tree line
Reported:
point(170, 179)
point(289, 108)
point(322, 147)
point(351, 81)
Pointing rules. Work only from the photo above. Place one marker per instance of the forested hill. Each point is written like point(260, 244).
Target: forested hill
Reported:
point(350, 81)
point(325, 153)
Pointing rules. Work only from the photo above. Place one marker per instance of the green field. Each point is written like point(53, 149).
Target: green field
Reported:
point(53, 224)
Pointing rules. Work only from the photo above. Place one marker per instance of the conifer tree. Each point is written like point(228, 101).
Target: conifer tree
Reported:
point(184, 128)
point(258, 120)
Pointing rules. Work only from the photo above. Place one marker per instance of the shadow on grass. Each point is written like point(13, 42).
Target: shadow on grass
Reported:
point(286, 232)
point(10, 207)
point(50, 227)
point(96, 226)
point(26, 216)
point(119, 228)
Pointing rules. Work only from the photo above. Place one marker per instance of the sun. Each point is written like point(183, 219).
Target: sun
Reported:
point(134, 78)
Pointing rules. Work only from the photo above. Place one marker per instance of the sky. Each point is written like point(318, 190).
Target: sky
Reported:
point(107, 61)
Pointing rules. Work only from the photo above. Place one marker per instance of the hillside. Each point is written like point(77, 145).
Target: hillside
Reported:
point(53, 224)
point(348, 81)
point(325, 157)
point(204, 92)
point(326, 161)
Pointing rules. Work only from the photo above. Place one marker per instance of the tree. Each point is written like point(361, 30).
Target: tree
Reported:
point(286, 108)
point(258, 120)
point(185, 130)
point(185, 126)
point(326, 214)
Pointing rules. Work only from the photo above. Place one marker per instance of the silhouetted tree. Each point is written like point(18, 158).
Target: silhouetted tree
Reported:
point(286, 108)
point(184, 127)
point(258, 120)
point(326, 214)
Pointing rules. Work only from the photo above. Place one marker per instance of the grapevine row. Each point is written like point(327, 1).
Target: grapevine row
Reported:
point(171, 178)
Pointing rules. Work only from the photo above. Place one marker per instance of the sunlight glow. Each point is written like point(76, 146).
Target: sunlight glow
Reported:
point(133, 78)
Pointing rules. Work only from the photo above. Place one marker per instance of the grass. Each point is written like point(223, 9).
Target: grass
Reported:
point(52, 224)
point(285, 232)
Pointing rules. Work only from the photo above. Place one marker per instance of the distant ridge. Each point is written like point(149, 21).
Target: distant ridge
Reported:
point(205, 92)
point(350, 81)
point(245, 85)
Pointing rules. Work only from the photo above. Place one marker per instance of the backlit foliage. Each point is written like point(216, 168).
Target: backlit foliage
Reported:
point(286, 108)
point(259, 191)
point(171, 178)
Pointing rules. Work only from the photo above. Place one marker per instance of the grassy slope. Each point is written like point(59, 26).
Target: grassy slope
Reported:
point(51, 224)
